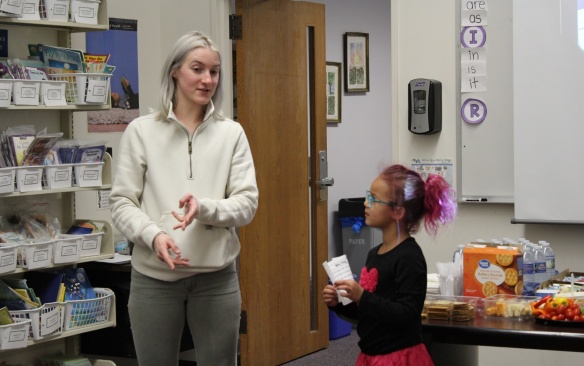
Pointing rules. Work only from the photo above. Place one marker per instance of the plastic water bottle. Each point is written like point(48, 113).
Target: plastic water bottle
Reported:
point(528, 267)
point(550, 259)
point(540, 264)
point(458, 251)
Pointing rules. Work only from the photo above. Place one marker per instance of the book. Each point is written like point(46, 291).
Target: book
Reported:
point(18, 145)
point(5, 317)
point(39, 148)
point(12, 300)
point(45, 285)
point(61, 60)
point(77, 285)
point(338, 268)
point(89, 152)
point(61, 295)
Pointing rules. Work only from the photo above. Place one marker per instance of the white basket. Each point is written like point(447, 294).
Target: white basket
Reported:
point(14, 335)
point(58, 176)
point(84, 11)
point(5, 92)
point(81, 313)
point(55, 10)
point(11, 8)
point(30, 10)
point(26, 92)
point(90, 243)
point(88, 174)
point(29, 178)
point(53, 92)
point(85, 88)
point(35, 255)
point(45, 321)
point(8, 255)
point(66, 250)
point(7, 176)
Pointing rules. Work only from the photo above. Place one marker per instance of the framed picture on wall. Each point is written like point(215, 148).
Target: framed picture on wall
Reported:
point(356, 57)
point(333, 92)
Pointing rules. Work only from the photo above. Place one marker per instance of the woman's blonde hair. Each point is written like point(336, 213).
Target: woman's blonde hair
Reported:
point(183, 46)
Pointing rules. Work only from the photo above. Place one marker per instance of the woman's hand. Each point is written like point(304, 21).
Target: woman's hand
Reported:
point(329, 296)
point(167, 251)
point(350, 289)
point(191, 206)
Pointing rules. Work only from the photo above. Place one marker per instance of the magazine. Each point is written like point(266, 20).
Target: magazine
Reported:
point(60, 60)
point(39, 148)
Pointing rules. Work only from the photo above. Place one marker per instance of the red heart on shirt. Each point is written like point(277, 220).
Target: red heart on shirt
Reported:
point(369, 279)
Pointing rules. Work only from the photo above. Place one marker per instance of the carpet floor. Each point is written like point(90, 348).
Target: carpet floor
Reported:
point(341, 352)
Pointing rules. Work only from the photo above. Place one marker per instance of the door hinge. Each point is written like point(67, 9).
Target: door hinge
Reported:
point(235, 27)
point(243, 323)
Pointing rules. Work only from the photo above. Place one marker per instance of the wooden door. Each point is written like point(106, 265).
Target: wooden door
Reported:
point(280, 76)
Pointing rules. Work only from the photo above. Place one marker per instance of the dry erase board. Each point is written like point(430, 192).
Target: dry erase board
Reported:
point(548, 64)
point(485, 148)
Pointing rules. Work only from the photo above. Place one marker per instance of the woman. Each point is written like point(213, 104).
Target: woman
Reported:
point(185, 155)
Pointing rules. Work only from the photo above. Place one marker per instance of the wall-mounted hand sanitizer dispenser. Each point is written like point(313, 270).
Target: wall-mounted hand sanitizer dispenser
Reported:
point(425, 106)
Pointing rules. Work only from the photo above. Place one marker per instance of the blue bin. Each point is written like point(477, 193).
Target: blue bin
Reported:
point(338, 328)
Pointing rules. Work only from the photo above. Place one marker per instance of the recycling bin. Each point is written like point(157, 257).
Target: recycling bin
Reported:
point(358, 238)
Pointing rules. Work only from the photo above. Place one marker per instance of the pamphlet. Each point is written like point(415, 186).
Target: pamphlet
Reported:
point(338, 268)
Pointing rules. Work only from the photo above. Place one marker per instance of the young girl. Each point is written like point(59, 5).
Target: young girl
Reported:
point(388, 300)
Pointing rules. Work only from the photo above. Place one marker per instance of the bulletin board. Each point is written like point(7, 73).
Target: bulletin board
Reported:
point(485, 168)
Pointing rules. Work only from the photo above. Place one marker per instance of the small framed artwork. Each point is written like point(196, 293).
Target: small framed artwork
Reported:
point(333, 92)
point(356, 47)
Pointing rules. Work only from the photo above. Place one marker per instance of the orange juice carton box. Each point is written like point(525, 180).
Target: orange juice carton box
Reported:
point(492, 269)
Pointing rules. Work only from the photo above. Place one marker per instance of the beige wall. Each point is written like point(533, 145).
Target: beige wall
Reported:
point(424, 44)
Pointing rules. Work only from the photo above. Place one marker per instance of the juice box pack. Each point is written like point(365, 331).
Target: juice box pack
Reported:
point(492, 269)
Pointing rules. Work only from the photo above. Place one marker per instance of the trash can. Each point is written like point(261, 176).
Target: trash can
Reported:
point(358, 238)
point(338, 327)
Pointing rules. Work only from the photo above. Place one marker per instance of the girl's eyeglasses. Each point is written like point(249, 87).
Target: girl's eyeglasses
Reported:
point(371, 200)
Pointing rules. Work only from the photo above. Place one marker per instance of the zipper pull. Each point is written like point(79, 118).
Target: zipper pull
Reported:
point(190, 147)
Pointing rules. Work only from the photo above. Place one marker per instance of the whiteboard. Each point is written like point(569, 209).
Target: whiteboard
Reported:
point(485, 150)
point(548, 61)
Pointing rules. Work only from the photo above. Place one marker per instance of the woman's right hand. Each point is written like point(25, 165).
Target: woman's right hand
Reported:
point(167, 251)
point(329, 296)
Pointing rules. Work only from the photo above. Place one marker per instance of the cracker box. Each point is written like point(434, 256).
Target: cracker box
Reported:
point(490, 270)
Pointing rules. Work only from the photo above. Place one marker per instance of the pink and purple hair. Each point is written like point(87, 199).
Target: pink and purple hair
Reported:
point(434, 200)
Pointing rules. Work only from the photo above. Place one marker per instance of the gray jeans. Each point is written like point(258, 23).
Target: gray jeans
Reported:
point(211, 303)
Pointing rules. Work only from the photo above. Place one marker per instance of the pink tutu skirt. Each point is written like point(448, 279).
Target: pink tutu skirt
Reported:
point(414, 356)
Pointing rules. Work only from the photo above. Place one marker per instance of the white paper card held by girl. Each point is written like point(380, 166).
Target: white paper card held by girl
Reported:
point(338, 268)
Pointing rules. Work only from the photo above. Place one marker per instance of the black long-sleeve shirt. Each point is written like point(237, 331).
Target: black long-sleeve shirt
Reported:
point(389, 313)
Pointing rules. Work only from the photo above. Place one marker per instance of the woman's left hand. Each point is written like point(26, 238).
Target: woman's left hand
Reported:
point(191, 206)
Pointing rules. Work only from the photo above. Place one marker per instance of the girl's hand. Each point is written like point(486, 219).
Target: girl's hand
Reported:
point(350, 289)
point(167, 251)
point(191, 205)
point(329, 296)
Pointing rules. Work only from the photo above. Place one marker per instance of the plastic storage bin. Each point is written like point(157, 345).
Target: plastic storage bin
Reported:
point(90, 243)
point(338, 327)
point(58, 176)
point(11, 8)
point(513, 307)
point(14, 335)
point(80, 313)
point(66, 250)
point(357, 237)
point(35, 255)
point(55, 10)
point(85, 88)
point(5, 92)
point(26, 92)
point(30, 10)
point(7, 177)
point(88, 174)
point(29, 178)
point(84, 11)
point(53, 93)
point(8, 255)
point(45, 321)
